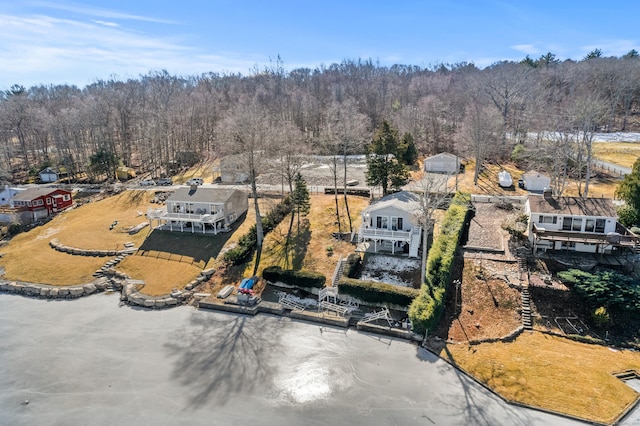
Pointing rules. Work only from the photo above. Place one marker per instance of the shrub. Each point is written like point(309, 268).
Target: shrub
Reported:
point(15, 228)
point(374, 292)
point(426, 309)
point(296, 278)
point(353, 266)
point(247, 242)
point(601, 316)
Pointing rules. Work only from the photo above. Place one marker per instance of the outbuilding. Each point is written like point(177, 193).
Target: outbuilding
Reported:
point(49, 174)
point(535, 181)
point(442, 163)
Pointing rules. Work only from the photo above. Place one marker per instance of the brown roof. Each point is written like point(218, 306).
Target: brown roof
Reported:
point(573, 206)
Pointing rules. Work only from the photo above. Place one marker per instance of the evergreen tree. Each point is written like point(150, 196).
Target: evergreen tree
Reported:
point(629, 191)
point(104, 162)
point(300, 197)
point(383, 167)
point(407, 151)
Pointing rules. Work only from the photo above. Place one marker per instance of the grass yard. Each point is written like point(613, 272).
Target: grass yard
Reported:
point(310, 253)
point(621, 153)
point(29, 258)
point(488, 182)
point(166, 260)
point(160, 274)
point(552, 373)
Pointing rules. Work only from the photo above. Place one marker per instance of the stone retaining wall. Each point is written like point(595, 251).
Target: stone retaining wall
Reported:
point(58, 292)
point(55, 244)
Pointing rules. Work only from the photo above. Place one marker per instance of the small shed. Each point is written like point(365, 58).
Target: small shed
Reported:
point(48, 175)
point(442, 163)
point(125, 173)
point(535, 181)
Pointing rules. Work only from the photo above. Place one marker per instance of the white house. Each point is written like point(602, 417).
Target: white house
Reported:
point(577, 224)
point(442, 163)
point(535, 181)
point(231, 169)
point(200, 209)
point(7, 194)
point(390, 223)
point(49, 174)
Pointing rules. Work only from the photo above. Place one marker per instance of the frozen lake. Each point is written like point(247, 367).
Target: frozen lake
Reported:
point(89, 361)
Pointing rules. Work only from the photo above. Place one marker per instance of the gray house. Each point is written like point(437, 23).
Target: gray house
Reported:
point(49, 174)
point(442, 163)
point(390, 223)
point(200, 209)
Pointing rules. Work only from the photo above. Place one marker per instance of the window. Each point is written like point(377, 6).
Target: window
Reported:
point(577, 225)
point(589, 225)
point(66, 197)
point(548, 219)
point(396, 223)
point(600, 225)
point(566, 224)
point(49, 201)
point(382, 222)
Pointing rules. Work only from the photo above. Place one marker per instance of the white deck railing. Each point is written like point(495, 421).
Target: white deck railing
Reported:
point(184, 217)
point(384, 234)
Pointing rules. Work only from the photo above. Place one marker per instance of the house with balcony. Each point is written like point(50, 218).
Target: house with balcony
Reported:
point(33, 204)
point(200, 209)
point(588, 225)
point(390, 224)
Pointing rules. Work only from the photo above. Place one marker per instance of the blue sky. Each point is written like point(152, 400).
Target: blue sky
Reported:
point(57, 42)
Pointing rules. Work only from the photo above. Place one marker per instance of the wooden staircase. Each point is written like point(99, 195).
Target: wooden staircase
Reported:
point(523, 272)
point(527, 322)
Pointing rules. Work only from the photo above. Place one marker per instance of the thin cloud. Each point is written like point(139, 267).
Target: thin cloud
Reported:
point(98, 12)
point(106, 23)
point(612, 47)
point(528, 49)
point(67, 51)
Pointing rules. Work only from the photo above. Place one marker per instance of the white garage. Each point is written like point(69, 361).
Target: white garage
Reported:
point(442, 163)
point(535, 181)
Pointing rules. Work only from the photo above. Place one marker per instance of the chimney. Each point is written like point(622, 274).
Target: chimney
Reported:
point(547, 193)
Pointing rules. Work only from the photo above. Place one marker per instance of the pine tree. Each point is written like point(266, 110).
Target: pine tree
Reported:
point(300, 197)
point(383, 167)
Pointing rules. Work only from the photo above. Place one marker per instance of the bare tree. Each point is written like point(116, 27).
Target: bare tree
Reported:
point(347, 132)
point(586, 114)
point(434, 194)
point(247, 132)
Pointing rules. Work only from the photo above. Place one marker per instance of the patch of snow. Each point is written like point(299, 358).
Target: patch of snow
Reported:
point(307, 302)
point(597, 137)
point(387, 269)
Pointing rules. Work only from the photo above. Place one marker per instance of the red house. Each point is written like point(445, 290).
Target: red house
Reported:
point(42, 202)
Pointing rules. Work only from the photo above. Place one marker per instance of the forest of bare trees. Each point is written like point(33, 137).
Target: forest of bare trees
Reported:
point(149, 123)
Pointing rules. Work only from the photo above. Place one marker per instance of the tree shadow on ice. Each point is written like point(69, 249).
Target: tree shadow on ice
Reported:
point(221, 356)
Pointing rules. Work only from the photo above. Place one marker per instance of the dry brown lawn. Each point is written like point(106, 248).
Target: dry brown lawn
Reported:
point(488, 183)
point(202, 170)
point(29, 258)
point(622, 153)
point(160, 275)
point(312, 252)
point(552, 373)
